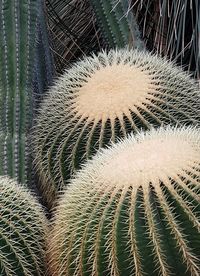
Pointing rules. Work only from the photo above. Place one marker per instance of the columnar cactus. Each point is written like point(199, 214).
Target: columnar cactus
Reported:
point(117, 23)
point(18, 34)
point(23, 231)
point(102, 98)
point(133, 209)
point(44, 64)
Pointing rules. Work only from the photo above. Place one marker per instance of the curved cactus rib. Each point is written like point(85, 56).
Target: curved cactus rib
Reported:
point(154, 235)
point(190, 259)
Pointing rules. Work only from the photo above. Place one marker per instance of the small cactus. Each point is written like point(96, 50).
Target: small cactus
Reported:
point(23, 229)
point(133, 209)
point(102, 98)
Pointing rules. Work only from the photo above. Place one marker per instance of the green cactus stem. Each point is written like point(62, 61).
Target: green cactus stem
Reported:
point(117, 23)
point(44, 70)
point(23, 231)
point(133, 209)
point(102, 98)
point(17, 49)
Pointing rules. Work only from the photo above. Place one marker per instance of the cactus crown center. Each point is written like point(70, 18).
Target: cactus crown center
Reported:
point(149, 160)
point(113, 90)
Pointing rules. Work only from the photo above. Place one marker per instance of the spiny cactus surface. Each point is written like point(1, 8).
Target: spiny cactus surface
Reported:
point(18, 20)
point(23, 231)
point(133, 209)
point(117, 23)
point(44, 64)
point(102, 98)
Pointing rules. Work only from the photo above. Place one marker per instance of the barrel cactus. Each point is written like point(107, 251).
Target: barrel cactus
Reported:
point(23, 229)
point(133, 209)
point(104, 97)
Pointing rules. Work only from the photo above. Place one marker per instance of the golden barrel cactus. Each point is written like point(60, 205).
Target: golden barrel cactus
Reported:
point(102, 98)
point(133, 209)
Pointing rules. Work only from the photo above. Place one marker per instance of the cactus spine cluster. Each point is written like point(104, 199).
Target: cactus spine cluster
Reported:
point(133, 209)
point(18, 21)
point(23, 231)
point(104, 97)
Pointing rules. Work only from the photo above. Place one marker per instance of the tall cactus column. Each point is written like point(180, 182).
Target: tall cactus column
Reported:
point(18, 21)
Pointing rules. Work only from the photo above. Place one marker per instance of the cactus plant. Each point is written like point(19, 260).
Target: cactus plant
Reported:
point(117, 24)
point(23, 230)
point(133, 209)
point(18, 22)
point(44, 70)
point(43, 74)
point(104, 97)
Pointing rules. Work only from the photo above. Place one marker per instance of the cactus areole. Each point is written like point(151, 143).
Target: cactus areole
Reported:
point(133, 209)
point(102, 98)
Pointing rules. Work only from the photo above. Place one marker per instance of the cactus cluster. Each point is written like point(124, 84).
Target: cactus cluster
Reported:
point(23, 232)
point(102, 98)
point(117, 23)
point(133, 209)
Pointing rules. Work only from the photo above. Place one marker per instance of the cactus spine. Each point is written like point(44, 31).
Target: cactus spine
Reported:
point(17, 48)
point(133, 209)
point(102, 98)
point(23, 230)
point(117, 24)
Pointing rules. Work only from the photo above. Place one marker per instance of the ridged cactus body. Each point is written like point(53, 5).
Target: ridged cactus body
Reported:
point(117, 23)
point(18, 20)
point(102, 98)
point(133, 209)
point(23, 231)
point(44, 64)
